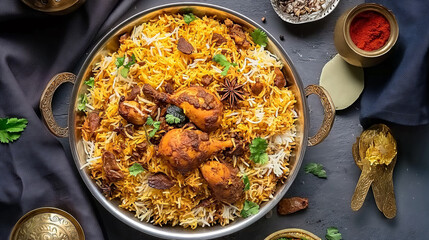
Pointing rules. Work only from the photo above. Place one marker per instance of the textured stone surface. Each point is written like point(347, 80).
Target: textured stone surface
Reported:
point(310, 46)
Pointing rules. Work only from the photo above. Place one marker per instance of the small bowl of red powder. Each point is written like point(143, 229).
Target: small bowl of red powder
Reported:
point(365, 34)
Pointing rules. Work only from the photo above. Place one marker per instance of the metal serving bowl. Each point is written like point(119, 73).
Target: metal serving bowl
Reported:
point(109, 43)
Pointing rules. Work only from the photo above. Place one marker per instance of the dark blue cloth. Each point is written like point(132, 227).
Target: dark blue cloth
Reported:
point(398, 89)
point(34, 170)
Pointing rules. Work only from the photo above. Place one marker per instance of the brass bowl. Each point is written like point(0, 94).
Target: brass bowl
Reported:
point(47, 223)
point(55, 7)
point(349, 51)
point(293, 233)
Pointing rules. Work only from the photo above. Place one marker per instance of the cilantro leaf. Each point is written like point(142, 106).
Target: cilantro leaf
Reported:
point(221, 59)
point(125, 68)
point(259, 37)
point(131, 62)
point(316, 169)
point(250, 208)
point(246, 182)
point(155, 124)
point(11, 128)
point(124, 72)
point(119, 61)
point(190, 17)
point(225, 70)
point(83, 100)
point(90, 82)
point(135, 169)
point(149, 121)
point(332, 233)
point(171, 119)
point(258, 150)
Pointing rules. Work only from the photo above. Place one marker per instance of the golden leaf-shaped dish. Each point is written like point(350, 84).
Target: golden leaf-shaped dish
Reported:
point(375, 154)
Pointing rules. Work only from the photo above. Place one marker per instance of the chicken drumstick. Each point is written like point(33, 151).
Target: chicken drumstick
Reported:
point(202, 107)
point(223, 181)
point(185, 149)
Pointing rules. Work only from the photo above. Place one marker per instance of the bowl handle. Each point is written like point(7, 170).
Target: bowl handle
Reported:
point(329, 113)
point(46, 103)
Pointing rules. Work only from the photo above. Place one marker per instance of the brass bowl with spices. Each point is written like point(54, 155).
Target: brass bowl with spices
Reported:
point(365, 34)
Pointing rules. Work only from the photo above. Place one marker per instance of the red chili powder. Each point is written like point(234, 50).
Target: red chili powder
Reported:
point(369, 30)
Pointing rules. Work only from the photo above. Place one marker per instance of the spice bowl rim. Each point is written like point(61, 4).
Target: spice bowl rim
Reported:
point(292, 233)
point(390, 17)
point(306, 18)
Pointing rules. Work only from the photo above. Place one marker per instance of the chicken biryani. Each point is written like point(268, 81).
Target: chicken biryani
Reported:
point(190, 122)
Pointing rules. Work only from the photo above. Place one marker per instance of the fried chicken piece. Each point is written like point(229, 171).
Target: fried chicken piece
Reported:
point(92, 123)
point(223, 181)
point(111, 168)
point(135, 91)
point(279, 80)
point(202, 107)
point(237, 33)
point(218, 39)
point(185, 149)
point(132, 112)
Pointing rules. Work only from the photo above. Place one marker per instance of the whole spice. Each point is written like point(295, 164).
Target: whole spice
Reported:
point(301, 7)
point(184, 46)
point(257, 88)
point(232, 90)
point(160, 180)
point(369, 30)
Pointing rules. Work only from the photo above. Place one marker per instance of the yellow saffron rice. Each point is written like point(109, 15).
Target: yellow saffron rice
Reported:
point(270, 115)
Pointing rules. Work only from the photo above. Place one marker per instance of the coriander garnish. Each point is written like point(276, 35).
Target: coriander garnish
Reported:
point(332, 233)
point(221, 59)
point(246, 182)
point(316, 169)
point(154, 124)
point(90, 82)
point(125, 68)
point(190, 17)
point(83, 100)
point(135, 169)
point(259, 37)
point(11, 129)
point(258, 150)
point(250, 208)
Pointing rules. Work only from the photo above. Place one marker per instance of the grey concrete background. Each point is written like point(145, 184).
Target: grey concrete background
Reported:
point(310, 46)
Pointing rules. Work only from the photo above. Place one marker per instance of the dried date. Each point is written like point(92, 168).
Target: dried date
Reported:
point(291, 205)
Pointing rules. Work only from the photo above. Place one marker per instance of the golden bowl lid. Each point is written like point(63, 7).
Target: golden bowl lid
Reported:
point(47, 223)
point(54, 6)
point(293, 233)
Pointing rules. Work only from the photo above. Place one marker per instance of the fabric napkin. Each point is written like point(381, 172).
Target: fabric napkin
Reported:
point(34, 170)
point(397, 90)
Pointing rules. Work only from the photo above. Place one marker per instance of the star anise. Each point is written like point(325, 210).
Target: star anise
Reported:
point(232, 90)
